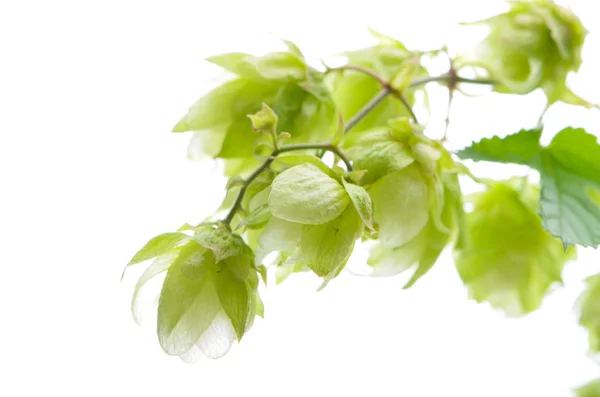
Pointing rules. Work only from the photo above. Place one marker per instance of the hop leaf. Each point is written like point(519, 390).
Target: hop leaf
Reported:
point(570, 178)
point(533, 45)
point(509, 260)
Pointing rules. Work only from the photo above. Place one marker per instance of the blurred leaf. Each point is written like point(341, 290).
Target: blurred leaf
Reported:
point(510, 260)
point(570, 178)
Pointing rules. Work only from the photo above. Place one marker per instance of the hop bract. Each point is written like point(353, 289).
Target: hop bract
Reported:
point(533, 45)
point(283, 80)
point(316, 217)
point(209, 296)
point(510, 260)
point(416, 198)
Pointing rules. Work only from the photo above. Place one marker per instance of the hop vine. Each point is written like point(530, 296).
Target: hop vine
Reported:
point(385, 181)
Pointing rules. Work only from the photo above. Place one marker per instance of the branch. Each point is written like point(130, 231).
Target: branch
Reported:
point(324, 146)
point(447, 78)
point(361, 69)
point(385, 85)
point(377, 99)
point(238, 200)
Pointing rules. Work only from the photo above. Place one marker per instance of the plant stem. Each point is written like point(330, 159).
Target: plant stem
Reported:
point(449, 79)
point(384, 84)
point(238, 200)
point(377, 99)
point(324, 146)
point(361, 69)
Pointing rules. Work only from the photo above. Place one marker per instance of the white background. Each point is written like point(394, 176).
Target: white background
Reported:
point(89, 91)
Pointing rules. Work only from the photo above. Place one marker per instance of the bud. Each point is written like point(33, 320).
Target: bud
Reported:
point(510, 260)
point(265, 120)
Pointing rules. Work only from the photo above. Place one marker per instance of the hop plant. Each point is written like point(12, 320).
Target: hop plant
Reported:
point(416, 197)
point(319, 159)
point(510, 260)
point(209, 296)
point(533, 45)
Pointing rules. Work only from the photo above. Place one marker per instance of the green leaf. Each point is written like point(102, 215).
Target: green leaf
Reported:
point(570, 175)
point(281, 66)
point(212, 109)
point(239, 140)
point(405, 74)
point(158, 246)
point(570, 178)
point(591, 389)
point(522, 147)
point(238, 63)
point(293, 48)
point(361, 201)
point(401, 205)
point(589, 311)
point(304, 194)
point(510, 260)
point(235, 299)
point(325, 248)
point(188, 302)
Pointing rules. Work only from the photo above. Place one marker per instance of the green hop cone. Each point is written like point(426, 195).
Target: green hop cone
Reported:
point(510, 260)
point(589, 311)
point(533, 45)
point(282, 80)
point(416, 197)
point(209, 296)
point(315, 221)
